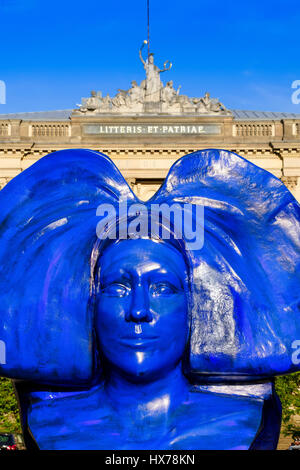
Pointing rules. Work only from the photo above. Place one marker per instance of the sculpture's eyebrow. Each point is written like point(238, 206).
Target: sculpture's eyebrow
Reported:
point(113, 274)
point(160, 274)
point(167, 276)
point(132, 274)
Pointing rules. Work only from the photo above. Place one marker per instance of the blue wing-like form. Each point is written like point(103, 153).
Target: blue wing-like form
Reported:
point(48, 228)
point(246, 278)
point(245, 289)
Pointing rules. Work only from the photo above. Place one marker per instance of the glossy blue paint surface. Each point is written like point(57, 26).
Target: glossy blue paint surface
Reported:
point(113, 337)
point(92, 420)
point(141, 315)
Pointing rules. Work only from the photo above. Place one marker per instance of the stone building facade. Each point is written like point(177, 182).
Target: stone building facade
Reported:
point(145, 129)
point(145, 146)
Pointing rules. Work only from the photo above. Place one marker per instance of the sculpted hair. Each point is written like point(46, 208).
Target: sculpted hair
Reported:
point(244, 289)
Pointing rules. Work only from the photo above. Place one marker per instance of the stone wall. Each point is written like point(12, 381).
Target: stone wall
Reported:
point(145, 160)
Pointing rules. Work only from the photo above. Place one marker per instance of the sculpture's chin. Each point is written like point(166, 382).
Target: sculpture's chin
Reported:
point(142, 367)
point(141, 373)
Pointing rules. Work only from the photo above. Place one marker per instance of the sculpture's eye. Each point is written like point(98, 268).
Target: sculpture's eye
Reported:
point(116, 290)
point(162, 289)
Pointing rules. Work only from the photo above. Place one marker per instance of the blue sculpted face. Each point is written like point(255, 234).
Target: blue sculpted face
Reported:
point(141, 311)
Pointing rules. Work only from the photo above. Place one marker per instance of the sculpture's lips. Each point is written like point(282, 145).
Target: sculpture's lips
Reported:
point(138, 341)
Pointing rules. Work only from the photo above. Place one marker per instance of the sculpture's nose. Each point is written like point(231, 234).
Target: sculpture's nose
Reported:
point(139, 310)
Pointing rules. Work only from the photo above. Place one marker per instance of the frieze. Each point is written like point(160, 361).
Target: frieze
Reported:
point(166, 129)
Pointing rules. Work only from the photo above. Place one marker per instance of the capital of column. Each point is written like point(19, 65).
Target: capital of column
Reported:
point(290, 181)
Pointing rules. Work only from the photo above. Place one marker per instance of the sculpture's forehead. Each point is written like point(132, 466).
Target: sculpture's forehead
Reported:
point(143, 255)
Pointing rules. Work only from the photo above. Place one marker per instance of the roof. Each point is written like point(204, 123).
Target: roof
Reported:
point(64, 115)
point(262, 115)
point(61, 115)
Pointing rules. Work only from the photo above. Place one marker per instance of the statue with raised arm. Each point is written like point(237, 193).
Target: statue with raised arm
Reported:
point(153, 84)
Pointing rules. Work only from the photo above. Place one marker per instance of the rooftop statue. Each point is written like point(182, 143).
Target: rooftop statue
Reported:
point(150, 96)
point(152, 84)
point(92, 103)
point(209, 105)
point(129, 99)
point(126, 335)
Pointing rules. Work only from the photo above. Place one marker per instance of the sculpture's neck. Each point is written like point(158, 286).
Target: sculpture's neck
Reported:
point(156, 397)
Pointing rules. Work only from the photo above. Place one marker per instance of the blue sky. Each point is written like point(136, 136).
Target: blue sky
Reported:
point(245, 53)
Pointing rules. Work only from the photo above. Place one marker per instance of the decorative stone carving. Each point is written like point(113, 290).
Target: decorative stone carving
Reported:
point(209, 105)
point(151, 96)
point(168, 93)
point(92, 103)
point(135, 94)
point(290, 181)
point(129, 100)
point(3, 182)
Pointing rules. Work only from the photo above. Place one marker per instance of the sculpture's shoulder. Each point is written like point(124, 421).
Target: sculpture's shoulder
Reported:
point(60, 420)
point(68, 400)
point(204, 420)
point(86, 420)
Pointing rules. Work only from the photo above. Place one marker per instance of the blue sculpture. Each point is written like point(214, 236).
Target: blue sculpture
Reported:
point(121, 334)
